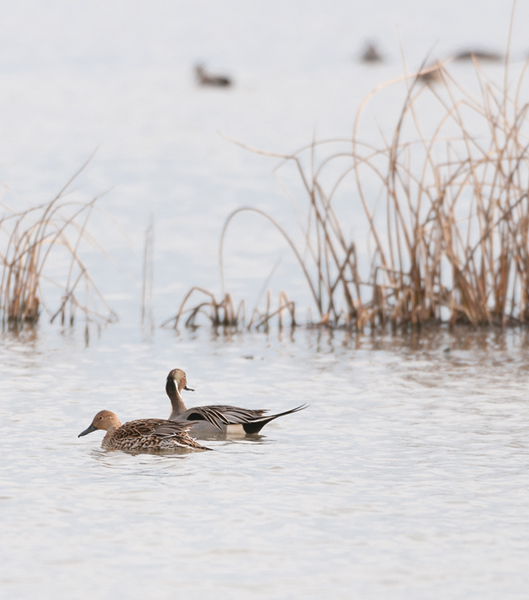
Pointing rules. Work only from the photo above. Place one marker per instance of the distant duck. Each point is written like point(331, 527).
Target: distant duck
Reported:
point(143, 434)
point(371, 54)
point(204, 78)
point(216, 419)
point(478, 54)
point(430, 73)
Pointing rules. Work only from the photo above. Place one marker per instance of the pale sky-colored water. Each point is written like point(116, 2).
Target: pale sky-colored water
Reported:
point(406, 477)
point(118, 77)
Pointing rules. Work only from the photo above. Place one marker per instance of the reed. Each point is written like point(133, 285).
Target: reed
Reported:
point(445, 213)
point(31, 241)
point(219, 313)
point(148, 275)
point(224, 314)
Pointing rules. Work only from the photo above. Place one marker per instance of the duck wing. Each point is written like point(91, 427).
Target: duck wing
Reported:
point(220, 415)
point(252, 420)
point(159, 429)
point(145, 427)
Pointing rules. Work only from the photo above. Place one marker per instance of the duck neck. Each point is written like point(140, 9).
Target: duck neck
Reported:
point(106, 439)
point(108, 436)
point(176, 399)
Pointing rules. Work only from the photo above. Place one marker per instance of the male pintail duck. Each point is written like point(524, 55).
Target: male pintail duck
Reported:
point(215, 419)
point(143, 434)
point(204, 78)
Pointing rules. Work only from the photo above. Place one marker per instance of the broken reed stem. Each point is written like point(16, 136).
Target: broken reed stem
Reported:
point(223, 314)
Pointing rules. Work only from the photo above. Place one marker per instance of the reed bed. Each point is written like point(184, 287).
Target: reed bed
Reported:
point(33, 243)
point(223, 313)
point(219, 313)
point(442, 214)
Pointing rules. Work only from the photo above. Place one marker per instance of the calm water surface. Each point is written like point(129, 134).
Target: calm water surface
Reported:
point(406, 478)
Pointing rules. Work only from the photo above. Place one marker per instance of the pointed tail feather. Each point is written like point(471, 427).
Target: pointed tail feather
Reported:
point(255, 426)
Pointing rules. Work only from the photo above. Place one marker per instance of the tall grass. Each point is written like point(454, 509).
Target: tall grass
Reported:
point(443, 212)
point(33, 243)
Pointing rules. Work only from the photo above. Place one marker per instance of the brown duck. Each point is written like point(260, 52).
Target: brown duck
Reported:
point(143, 434)
point(215, 419)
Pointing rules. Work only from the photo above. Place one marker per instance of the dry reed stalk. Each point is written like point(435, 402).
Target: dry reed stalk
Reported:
point(221, 313)
point(28, 239)
point(450, 222)
point(259, 320)
point(148, 274)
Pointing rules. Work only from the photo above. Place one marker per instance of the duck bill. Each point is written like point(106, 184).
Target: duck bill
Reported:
point(188, 389)
point(88, 430)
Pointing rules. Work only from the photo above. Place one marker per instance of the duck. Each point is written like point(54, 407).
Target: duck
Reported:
point(142, 434)
point(217, 418)
point(430, 73)
point(479, 55)
point(204, 78)
point(371, 53)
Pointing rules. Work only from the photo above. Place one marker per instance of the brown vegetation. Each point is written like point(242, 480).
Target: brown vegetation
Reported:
point(447, 215)
point(29, 240)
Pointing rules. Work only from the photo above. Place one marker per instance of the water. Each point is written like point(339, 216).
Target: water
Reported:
point(405, 478)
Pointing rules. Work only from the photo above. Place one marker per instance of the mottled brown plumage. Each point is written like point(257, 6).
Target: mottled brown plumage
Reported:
point(143, 434)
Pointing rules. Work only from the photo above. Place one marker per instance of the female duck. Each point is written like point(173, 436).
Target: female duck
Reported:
point(215, 419)
point(144, 434)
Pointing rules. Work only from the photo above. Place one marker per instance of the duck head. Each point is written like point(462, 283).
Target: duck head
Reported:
point(105, 420)
point(177, 377)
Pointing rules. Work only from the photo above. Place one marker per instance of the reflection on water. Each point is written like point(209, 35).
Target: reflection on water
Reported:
point(407, 475)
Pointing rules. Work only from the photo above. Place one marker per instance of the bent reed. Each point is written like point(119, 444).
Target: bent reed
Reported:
point(445, 215)
point(40, 252)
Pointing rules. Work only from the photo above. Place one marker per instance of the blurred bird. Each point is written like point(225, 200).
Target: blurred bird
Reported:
point(204, 78)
